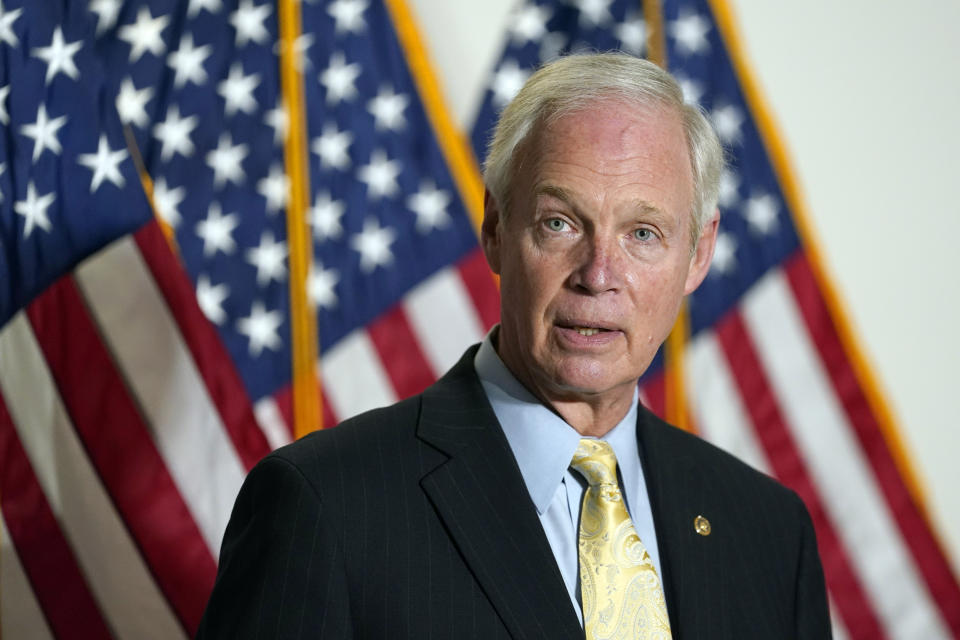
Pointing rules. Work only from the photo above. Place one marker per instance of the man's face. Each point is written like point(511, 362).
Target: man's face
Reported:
point(594, 255)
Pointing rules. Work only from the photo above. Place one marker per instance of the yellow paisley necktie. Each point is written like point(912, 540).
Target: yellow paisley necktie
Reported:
point(621, 592)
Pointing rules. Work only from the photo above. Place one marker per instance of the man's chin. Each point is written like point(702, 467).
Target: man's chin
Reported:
point(589, 383)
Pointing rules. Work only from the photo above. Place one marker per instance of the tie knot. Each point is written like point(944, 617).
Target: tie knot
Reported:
point(596, 462)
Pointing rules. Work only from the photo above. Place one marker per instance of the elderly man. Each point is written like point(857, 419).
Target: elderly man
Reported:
point(528, 494)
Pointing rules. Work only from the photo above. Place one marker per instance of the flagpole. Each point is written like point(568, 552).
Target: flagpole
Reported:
point(307, 398)
point(675, 397)
point(656, 40)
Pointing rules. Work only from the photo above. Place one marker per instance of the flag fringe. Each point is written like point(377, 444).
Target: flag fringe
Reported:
point(460, 159)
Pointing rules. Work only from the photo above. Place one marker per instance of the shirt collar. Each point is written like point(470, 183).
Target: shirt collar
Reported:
point(542, 442)
point(623, 440)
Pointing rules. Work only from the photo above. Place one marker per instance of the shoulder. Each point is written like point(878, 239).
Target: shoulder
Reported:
point(372, 428)
point(384, 447)
point(724, 473)
point(355, 446)
point(760, 543)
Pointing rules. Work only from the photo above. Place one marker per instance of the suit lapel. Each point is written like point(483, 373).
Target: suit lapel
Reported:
point(480, 495)
point(679, 493)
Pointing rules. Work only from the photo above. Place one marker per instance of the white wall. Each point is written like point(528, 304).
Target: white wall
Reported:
point(866, 95)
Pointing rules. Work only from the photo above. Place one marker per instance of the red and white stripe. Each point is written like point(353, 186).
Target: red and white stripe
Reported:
point(124, 439)
point(353, 359)
point(400, 353)
point(115, 573)
point(762, 391)
point(20, 613)
point(722, 417)
point(443, 319)
point(140, 332)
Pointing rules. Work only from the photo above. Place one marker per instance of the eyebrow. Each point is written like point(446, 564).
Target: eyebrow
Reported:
point(557, 192)
point(641, 207)
point(645, 208)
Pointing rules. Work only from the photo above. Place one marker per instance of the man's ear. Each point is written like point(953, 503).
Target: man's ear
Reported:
point(702, 254)
point(490, 230)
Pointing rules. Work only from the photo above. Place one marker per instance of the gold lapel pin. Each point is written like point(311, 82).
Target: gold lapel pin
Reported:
point(701, 525)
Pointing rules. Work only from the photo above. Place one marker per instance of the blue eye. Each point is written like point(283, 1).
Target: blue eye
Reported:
point(556, 224)
point(643, 234)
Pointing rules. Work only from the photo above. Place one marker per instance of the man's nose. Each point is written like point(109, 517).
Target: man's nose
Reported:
point(599, 266)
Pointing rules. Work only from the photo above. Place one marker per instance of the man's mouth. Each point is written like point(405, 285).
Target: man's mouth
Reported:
point(588, 331)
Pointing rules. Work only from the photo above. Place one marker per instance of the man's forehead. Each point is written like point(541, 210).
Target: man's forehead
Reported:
point(611, 128)
point(602, 109)
point(607, 138)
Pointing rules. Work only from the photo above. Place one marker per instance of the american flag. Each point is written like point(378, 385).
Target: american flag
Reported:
point(137, 389)
point(772, 372)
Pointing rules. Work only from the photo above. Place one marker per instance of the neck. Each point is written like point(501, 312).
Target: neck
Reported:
point(592, 414)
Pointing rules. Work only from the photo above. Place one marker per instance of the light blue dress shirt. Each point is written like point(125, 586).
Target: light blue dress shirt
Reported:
point(543, 444)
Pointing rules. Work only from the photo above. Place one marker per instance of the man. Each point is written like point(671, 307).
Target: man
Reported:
point(527, 494)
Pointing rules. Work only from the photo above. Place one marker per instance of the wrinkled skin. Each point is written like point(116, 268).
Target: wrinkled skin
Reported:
point(596, 242)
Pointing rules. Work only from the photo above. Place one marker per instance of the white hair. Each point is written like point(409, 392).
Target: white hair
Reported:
point(575, 82)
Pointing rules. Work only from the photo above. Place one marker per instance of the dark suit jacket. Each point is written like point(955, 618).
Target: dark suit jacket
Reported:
point(413, 521)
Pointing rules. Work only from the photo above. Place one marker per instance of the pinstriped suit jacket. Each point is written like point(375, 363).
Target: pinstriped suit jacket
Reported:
point(413, 521)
